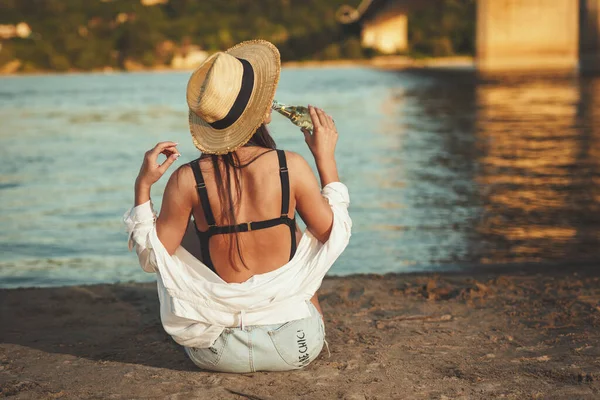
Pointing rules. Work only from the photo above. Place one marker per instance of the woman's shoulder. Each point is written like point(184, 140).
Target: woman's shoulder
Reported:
point(182, 176)
point(299, 169)
point(184, 170)
point(181, 184)
point(295, 161)
point(294, 158)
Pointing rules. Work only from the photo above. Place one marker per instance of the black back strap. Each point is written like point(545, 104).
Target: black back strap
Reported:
point(245, 227)
point(202, 193)
point(204, 236)
point(285, 183)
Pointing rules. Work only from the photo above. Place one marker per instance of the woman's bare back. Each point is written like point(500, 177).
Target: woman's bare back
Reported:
point(262, 250)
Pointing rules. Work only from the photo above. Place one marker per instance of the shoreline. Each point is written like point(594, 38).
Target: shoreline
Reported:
point(381, 62)
point(389, 62)
point(434, 269)
point(519, 332)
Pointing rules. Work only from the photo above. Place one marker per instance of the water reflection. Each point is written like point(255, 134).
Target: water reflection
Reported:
point(428, 199)
point(537, 172)
point(489, 171)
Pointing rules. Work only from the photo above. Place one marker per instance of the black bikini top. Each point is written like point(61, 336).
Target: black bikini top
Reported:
point(213, 229)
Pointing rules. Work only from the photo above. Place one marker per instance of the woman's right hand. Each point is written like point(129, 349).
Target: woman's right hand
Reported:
point(324, 137)
point(151, 171)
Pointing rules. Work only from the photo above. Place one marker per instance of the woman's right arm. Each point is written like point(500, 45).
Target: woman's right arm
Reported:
point(311, 205)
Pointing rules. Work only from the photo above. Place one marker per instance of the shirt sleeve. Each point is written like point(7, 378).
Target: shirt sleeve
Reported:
point(336, 193)
point(139, 222)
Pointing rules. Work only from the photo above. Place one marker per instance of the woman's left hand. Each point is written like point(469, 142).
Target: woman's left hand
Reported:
point(151, 170)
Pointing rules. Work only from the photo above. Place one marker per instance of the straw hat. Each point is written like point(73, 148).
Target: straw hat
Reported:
point(230, 94)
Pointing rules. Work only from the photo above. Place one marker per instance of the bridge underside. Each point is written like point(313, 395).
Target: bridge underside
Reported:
point(589, 43)
point(511, 34)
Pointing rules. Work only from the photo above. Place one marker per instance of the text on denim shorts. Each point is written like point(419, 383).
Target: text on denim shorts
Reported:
point(303, 355)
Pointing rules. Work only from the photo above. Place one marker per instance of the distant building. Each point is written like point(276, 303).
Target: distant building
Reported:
point(20, 30)
point(153, 2)
point(189, 59)
point(83, 31)
point(122, 18)
point(383, 23)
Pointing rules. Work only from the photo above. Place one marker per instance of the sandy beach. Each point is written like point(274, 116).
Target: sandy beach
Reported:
point(515, 333)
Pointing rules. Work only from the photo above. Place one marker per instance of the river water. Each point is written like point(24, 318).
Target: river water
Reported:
point(446, 170)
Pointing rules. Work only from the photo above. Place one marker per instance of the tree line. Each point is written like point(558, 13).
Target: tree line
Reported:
point(93, 34)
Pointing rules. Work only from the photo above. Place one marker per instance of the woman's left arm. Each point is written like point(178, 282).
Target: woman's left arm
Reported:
point(177, 202)
point(175, 210)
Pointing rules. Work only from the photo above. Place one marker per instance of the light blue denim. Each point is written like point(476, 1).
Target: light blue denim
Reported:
point(281, 347)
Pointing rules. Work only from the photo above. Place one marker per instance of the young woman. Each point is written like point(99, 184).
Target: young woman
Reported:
point(249, 303)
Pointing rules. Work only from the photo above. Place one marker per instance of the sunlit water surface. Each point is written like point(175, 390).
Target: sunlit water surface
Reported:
point(445, 170)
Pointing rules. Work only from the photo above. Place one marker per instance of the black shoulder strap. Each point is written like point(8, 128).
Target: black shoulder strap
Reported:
point(202, 192)
point(285, 183)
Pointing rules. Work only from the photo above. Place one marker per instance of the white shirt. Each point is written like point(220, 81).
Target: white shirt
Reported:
point(196, 304)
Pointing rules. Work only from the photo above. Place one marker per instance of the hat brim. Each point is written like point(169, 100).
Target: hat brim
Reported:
point(265, 60)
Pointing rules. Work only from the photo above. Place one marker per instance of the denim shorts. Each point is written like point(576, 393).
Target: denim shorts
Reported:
point(280, 347)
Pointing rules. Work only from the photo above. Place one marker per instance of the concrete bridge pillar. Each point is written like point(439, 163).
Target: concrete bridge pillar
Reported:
point(527, 35)
point(589, 34)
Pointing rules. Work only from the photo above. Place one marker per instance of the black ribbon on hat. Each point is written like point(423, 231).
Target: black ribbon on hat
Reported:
point(243, 97)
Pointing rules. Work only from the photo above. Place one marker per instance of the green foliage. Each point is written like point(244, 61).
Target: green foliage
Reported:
point(352, 48)
point(92, 34)
point(444, 30)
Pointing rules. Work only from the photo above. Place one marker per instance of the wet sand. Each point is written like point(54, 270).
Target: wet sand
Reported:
point(516, 333)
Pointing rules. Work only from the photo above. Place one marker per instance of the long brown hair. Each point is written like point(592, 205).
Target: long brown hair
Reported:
point(230, 182)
